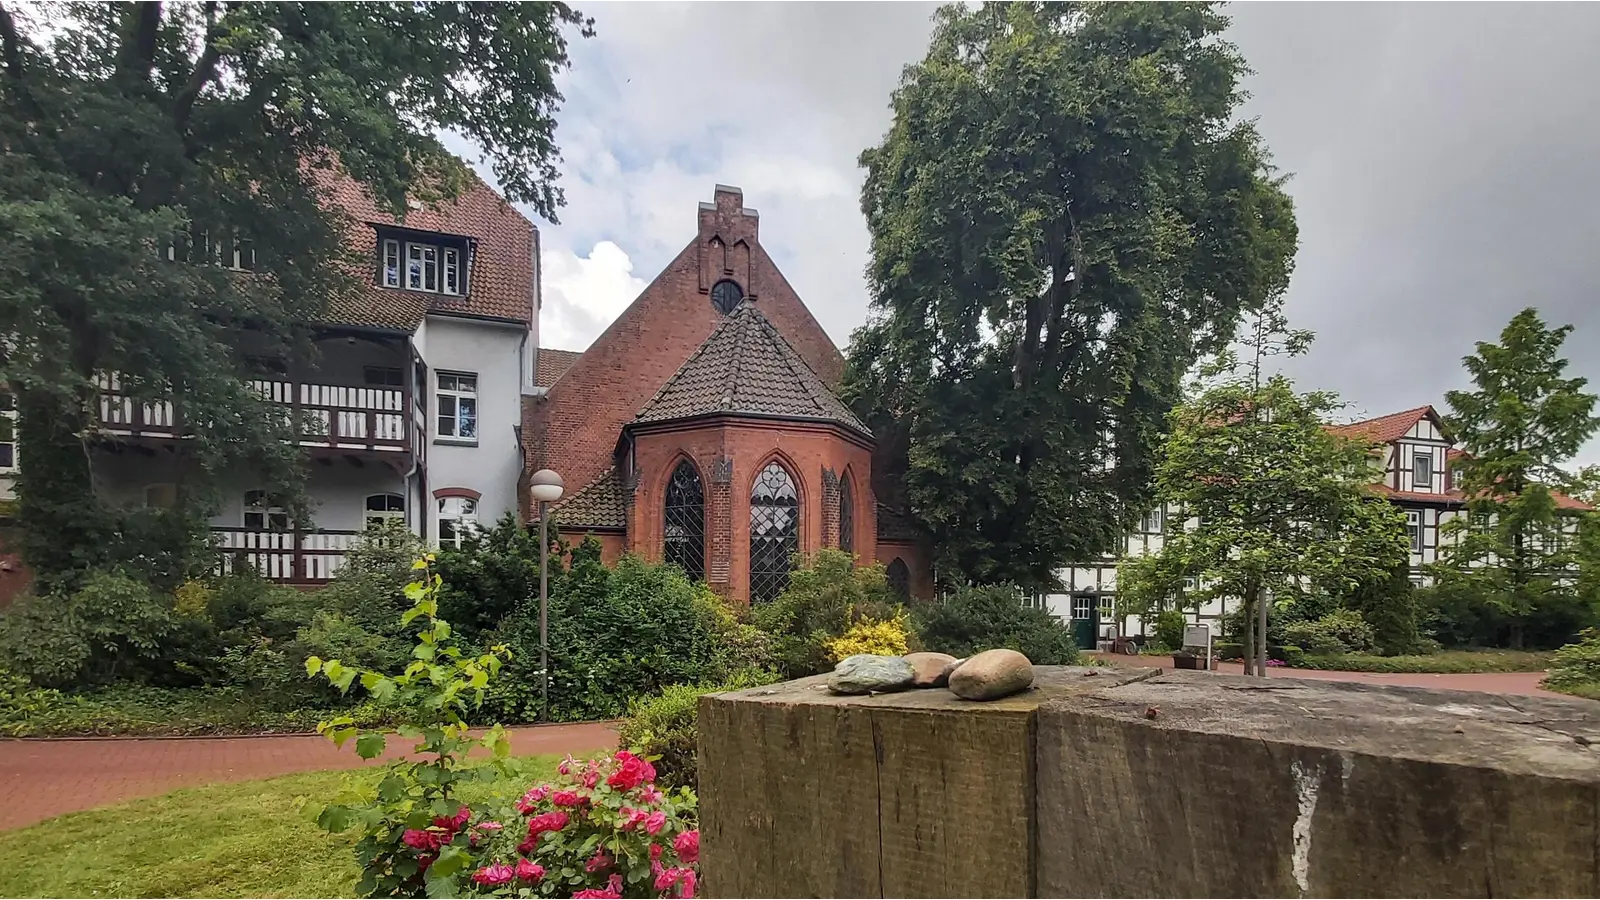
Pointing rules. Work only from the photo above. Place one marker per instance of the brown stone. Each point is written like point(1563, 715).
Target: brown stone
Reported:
point(991, 675)
point(930, 669)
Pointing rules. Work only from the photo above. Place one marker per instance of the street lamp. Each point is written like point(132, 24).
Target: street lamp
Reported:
point(546, 487)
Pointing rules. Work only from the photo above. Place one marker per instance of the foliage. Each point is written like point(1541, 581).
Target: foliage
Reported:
point(866, 635)
point(1150, 584)
point(492, 573)
point(130, 128)
point(1576, 665)
point(1462, 613)
point(969, 620)
point(221, 840)
point(113, 626)
point(1450, 662)
point(827, 594)
point(1388, 603)
point(601, 828)
point(1066, 211)
point(441, 685)
point(662, 727)
point(1342, 631)
point(1518, 426)
point(1169, 628)
point(143, 710)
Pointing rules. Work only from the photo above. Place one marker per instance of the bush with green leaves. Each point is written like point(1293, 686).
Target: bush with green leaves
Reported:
point(1341, 631)
point(1169, 628)
point(827, 594)
point(1576, 667)
point(663, 726)
point(113, 627)
point(972, 619)
point(492, 573)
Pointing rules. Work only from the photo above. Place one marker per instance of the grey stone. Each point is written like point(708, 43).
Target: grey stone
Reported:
point(991, 675)
point(932, 669)
point(865, 673)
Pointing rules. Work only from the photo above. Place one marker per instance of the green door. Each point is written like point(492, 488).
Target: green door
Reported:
point(1084, 630)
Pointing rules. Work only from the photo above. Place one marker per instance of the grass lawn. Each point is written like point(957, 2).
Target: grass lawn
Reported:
point(1446, 662)
point(226, 840)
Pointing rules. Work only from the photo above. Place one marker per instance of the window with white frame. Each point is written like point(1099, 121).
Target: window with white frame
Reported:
point(419, 266)
point(385, 507)
point(261, 515)
point(1151, 522)
point(1422, 470)
point(225, 250)
point(458, 517)
point(8, 432)
point(1414, 529)
point(458, 405)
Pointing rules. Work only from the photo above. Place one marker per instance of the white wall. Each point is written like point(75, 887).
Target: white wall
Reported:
point(493, 464)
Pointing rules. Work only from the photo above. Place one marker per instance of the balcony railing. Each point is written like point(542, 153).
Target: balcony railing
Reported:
point(328, 415)
point(296, 557)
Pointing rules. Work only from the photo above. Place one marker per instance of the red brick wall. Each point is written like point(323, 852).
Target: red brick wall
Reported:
point(574, 429)
point(804, 449)
point(612, 545)
point(917, 562)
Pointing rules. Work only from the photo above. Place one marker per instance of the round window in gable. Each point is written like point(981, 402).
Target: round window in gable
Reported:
point(726, 296)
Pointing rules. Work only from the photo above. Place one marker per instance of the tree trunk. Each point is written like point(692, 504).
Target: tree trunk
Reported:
point(1261, 632)
point(1249, 619)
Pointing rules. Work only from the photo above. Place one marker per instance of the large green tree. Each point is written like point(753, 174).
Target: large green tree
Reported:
point(1520, 424)
point(127, 128)
point(1065, 214)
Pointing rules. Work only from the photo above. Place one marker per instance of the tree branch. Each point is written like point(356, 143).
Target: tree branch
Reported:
point(204, 70)
point(140, 26)
point(11, 46)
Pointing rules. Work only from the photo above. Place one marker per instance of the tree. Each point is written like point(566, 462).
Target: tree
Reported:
point(1065, 214)
point(1285, 507)
point(143, 138)
point(1522, 422)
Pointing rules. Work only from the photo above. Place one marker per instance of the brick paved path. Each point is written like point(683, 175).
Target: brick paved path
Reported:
point(1490, 682)
point(42, 779)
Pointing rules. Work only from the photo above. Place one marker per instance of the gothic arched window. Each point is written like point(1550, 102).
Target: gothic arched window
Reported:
point(774, 532)
point(685, 521)
point(847, 517)
point(726, 296)
point(900, 578)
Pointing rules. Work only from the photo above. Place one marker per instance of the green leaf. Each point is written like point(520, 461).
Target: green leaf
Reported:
point(370, 744)
point(415, 591)
point(335, 818)
point(313, 665)
point(392, 788)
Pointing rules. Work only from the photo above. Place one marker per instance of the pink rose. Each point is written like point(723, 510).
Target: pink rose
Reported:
point(590, 778)
point(453, 824)
point(632, 818)
point(493, 876)
point(596, 895)
point(631, 772)
point(666, 878)
point(686, 884)
point(600, 861)
point(651, 795)
point(488, 826)
point(420, 840)
point(655, 851)
point(614, 884)
point(532, 797)
point(566, 798)
point(656, 822)
point(688, 846)
point(566, 765)
point(528, 870)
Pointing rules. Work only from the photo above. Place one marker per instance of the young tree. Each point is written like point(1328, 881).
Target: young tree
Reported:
point(1065, 214)
point(129, 128)
point(1520, 424)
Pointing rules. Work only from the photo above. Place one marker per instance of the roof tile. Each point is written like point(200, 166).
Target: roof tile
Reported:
point(598, 504)
point(553, 364)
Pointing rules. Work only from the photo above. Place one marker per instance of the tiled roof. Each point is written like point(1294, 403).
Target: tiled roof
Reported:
point(746, 366)
point(500, 281)
point(598, 504)
point(895, 526)
point(552, 363)
point(1384, 429)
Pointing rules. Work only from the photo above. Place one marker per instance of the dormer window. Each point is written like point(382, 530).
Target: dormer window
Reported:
point(1422, 471)
point(431, 267)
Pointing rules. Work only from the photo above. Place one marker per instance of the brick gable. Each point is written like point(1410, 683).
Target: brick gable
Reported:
point(575, 427)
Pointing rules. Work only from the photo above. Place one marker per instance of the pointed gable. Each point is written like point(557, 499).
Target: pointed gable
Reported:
point(747, 368)
point(1390, 428)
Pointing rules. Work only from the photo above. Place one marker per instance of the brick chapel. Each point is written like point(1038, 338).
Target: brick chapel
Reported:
point(703, 427)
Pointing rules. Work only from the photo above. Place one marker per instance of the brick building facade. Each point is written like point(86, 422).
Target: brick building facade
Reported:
point(703, 426)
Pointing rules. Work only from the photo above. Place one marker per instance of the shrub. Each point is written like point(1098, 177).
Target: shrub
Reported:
point(1342, 631)
point(1292, 656)
point(1169, 628)
point(1576, 665)
point(973, 619)
point(112, 627)
point(885, 638)
point(827, 594)
point(1228, 650)
point(662, 727)
point(1447, 662)
point(493, 573)
point(1389, 605)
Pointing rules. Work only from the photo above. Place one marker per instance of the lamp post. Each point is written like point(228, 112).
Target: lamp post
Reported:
point(546, 487)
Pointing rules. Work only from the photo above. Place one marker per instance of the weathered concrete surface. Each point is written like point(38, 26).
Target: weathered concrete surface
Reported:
point(804, 793)
point(1239, 788)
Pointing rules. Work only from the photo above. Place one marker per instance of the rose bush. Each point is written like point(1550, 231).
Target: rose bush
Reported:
point(602, 828)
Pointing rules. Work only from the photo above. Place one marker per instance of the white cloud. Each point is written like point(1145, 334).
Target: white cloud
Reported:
point(582, 294)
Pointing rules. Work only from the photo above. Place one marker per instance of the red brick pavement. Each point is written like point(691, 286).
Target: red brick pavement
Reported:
point(1489, 682)
point(45, 778)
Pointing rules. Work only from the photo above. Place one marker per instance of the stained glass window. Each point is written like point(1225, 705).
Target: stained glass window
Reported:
point(685, 519)
point(847, 517)
point(774, 532)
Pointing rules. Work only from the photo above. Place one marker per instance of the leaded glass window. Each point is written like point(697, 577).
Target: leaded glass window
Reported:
point(899, 578)
point(726, 296)
point(774, 532)
point(685, 519)
point(847, 517)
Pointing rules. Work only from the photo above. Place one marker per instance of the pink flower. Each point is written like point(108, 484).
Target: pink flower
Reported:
point(550, 821)
point(686, 884)
point(533, 796)
point(528, 870)
point(590, 778)
point(455, 823)
point(614, 884)
point(493, 876)
point(420, 840)
point(632, 772)
point(655, 851)
point(596, 895)
point(566, 765)
point(488, 826)
point(651, 794)
point(566, 798)
point(632, 818)
point(656, 822)
point(688, 846)
point(598, 862)
point(527, 846)
point(668, 877)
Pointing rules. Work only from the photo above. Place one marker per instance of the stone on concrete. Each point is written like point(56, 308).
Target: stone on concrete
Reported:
point(806, 793)
point(865, 673)
point(1296, 788)
point(991, 675)
point(931, 668)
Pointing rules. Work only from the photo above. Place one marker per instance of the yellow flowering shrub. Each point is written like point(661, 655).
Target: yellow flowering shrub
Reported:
point(192, 599)
point(886, 637)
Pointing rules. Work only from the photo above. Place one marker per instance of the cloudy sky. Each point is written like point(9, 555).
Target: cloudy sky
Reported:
point(1443, 161)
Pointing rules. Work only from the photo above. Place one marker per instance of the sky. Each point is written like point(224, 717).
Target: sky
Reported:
point(1442, 157)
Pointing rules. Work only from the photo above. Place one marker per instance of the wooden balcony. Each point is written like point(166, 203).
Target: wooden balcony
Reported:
point(292, 557)
point(342, 417)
